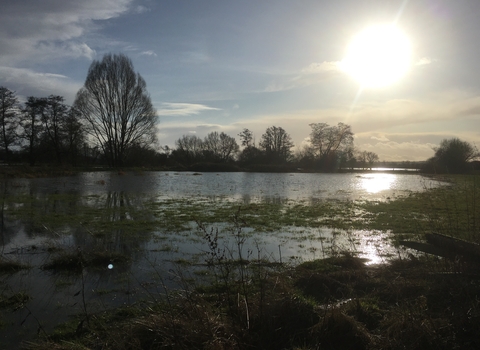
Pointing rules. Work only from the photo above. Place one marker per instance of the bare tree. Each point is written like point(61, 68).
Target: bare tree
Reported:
point(189, 147)
point(116, 107)
point(247, 137)
point(9, 111)
point(54, 117)
point(211, 145)
point(277, 143)
point(453, 155)
point(74, 136)
point(219, 147)
point(228, 147)
point(326, 140)
point(31, 125)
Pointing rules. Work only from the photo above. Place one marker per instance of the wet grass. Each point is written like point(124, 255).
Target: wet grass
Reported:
point(10, 266)
point(453, 208)
point(334, 303)
point(13, 301)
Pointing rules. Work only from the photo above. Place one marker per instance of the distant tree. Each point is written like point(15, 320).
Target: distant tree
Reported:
point(453, 155)
point(277, 144)
point(371, 158)
point(74, 135)
point(348, 157)
point(31, 125)
point(116, 107)
point(251, 155)
point(9, 115)
point(329, 142)
point(54, 116)
point(228, 147)
point(246, 137)
point(189, 148)
point(211, 147)
point(326, 139)
point(219, 147)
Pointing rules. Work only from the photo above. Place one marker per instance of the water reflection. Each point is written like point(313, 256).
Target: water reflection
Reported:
point(375, 183)
point(107, 212)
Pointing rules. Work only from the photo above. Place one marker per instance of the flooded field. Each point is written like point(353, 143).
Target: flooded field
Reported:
point(100, 240)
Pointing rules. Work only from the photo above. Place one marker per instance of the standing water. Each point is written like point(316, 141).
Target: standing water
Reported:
point(133, 232)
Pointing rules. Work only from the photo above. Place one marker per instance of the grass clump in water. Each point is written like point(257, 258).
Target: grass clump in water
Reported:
point(10, 266)
point(14, 301)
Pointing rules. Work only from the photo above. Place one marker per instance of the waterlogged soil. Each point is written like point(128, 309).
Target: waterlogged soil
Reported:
point(97, 241)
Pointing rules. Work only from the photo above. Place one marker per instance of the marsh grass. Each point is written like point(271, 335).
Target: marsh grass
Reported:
point(334, 303)
point(13, 300)
point(11, 266)
point(248, 302)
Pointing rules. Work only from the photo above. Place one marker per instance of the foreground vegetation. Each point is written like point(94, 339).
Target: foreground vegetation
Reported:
point(419, 302)
point(335, 303)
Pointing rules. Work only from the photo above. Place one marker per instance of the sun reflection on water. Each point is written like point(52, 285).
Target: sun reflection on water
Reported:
point(375, 183)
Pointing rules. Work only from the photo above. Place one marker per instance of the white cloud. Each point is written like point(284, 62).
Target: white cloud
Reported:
point(424, 61)
point(400, 151)
point(27, 82)
point(313, 74)
point(148, 53)
point(316, 68)
point(32, 30)
point(380, 138)
point(141, 9)
point(183, 109)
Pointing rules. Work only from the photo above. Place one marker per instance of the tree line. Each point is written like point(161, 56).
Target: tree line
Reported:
point(330, 147)
point(112, 122)
point(109, 124)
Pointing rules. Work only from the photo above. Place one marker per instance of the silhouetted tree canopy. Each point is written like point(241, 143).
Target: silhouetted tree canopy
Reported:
point(326, 140)
point(453, 155)
point(116, 107)
point(277, 144)
point(9, 115)
point(246, 137)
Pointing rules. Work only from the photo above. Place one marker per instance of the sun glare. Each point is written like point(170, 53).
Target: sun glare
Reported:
point(378, 56)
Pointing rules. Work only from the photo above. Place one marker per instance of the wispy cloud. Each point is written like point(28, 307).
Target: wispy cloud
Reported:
point(183, 109)
point(148, 53)
point(424, 61)
point(27, 82)
point(141, 9)
point(312, 74)
point(381, 138)
point(322, 67)
point(38, 30)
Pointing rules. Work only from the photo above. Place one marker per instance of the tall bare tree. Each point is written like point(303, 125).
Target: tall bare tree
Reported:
point(277, 144)
point(31, 125)
point(54, 117)
point(247, 137)
point(116, 107)
point(326, 139)
point(9, 112)
point(74, 135)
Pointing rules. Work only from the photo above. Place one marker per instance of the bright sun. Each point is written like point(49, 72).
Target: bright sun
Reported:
point(378, 56)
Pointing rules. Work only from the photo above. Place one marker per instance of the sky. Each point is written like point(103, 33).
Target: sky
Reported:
point(225, 65)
